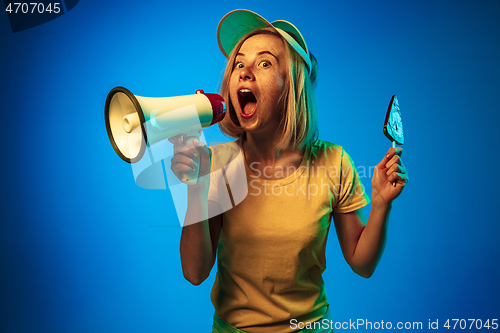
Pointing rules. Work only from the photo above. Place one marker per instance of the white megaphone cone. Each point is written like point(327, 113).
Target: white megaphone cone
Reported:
point(134, 123)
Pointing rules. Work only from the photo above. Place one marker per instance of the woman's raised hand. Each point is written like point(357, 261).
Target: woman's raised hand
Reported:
point(390, 177)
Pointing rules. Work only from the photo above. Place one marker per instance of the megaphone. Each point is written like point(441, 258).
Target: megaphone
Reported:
point(156, 118)
point(134, 123)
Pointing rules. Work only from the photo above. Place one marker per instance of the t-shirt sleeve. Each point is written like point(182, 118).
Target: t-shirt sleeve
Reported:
point(350, 191)
point(217, 192)
point(214, 180)
point(228, 185)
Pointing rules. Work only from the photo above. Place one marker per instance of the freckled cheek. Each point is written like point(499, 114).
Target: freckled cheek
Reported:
point(279, 82)
point(278, 88)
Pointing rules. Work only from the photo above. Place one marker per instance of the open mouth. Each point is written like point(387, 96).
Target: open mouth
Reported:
point(248, 102)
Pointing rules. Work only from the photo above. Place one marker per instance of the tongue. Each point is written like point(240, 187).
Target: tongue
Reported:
point(249, 108)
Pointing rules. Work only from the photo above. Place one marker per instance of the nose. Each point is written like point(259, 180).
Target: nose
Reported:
point(246, 74)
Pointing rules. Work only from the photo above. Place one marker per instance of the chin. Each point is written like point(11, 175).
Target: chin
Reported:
point(249, 125)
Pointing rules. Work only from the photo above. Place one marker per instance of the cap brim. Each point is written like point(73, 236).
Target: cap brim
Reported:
point(237, 23)
point(289, 27)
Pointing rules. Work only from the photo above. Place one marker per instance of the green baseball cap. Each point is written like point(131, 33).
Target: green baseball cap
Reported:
point(237, 23)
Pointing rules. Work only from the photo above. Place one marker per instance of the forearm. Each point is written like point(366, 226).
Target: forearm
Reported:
point(197, 254)
point(363, 243)
point(371, 242)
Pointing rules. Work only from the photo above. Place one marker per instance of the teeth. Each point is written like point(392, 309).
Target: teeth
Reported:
point(245, 90)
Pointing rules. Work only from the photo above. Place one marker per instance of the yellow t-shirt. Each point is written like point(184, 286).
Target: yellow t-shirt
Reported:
point(271, 250)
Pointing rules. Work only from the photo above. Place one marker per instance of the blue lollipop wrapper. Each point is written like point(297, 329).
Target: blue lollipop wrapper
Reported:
point(393, 126)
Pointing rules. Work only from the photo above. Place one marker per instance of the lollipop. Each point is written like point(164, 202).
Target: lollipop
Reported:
point(393, 126)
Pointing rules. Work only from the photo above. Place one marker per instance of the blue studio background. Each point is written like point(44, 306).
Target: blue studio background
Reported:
point(83, 249)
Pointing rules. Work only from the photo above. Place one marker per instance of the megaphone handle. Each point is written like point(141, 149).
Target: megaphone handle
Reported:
point(191, 178)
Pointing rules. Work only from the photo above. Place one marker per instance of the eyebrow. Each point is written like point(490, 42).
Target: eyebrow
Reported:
point(260, 53)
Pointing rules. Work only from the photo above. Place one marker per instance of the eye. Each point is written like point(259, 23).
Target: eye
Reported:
point(239, 65)
point(265, 64)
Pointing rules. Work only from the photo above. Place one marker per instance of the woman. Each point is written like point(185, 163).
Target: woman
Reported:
point(271, 246)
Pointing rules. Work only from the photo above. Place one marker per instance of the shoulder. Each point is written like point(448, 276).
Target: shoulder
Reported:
point(224, 153)
point(321, 149)
point(228, 147)
point(330, 154)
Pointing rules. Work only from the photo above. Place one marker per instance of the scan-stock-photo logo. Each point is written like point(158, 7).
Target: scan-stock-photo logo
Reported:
point(26, 15)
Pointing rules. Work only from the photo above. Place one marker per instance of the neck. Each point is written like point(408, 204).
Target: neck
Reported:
point(263, 149)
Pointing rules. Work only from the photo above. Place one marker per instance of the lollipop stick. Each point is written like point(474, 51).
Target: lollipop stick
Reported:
point(394, 146)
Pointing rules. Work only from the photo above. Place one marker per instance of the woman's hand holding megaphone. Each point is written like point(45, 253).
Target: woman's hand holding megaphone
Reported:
point(192, 159)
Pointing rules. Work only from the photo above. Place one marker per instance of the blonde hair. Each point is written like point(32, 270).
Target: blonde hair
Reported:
point(299, 120)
